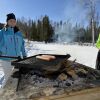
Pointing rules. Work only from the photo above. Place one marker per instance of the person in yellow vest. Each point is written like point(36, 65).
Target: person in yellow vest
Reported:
point(98, 55)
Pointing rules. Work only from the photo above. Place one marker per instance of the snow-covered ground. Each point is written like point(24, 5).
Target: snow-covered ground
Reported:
point(83, 54)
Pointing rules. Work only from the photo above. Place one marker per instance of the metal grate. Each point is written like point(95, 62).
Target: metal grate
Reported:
point(33, 62)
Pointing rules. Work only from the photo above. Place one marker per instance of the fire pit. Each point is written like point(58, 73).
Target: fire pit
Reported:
point(38, 66)
point(58, 75)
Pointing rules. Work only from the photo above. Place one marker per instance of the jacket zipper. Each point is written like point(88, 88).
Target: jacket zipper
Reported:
point(15, 44)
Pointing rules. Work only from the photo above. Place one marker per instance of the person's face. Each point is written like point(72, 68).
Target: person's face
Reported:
point(11, 22)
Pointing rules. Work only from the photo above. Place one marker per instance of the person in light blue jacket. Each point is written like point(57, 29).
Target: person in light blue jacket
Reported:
point(11, 39)
point(11, 44)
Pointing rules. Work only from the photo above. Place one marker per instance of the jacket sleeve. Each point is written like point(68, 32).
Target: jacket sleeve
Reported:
point(23, 47)
point(1, 41)
point(98, 42)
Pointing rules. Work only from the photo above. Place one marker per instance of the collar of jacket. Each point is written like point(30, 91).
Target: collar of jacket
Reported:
point(9, 29)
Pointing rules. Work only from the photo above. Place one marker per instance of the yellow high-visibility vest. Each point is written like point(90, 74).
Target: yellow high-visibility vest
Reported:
point(98, 42)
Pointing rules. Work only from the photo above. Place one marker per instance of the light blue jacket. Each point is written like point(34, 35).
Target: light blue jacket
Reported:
point(11, 44)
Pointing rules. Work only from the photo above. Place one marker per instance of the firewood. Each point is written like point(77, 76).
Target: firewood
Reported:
point(81, 70)
point(62, 77)
point(72, 74)
point(67, 65)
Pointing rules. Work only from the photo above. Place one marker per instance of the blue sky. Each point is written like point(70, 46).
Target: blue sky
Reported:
point(56, 9)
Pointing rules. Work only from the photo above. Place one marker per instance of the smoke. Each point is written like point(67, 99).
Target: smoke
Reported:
point(74, 13)
point(65, 33)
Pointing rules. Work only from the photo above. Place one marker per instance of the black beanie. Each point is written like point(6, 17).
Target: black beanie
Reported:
point(10, 16)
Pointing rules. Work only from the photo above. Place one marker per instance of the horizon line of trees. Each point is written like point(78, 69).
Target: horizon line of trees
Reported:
point(37, 30)
point(44, 29)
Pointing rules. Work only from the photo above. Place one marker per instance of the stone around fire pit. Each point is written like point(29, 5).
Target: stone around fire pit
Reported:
point(71, 77)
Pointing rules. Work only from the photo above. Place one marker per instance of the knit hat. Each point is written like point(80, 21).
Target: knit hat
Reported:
point(10, 16)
